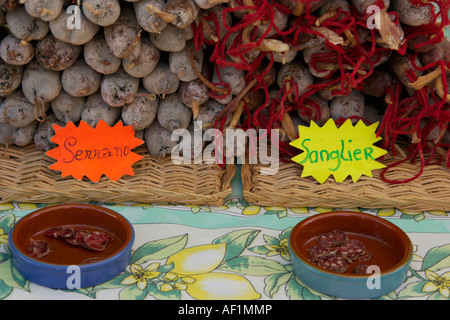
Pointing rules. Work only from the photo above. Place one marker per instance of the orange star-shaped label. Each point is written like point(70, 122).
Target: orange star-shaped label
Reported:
point(85, 151)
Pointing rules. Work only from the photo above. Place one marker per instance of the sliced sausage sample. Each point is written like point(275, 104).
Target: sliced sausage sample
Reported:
point(333, 238)
point(319, 252)
point(352, 250)
point(59, 232)
point(336, 252)
point(333, 263)
point(38, 248)
point(361, 268)
point(91, 240)
point(97, 240)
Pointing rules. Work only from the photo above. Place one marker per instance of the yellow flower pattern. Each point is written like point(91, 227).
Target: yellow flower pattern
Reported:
point(281, 249)
point(438, 283)
point(3, 237)
point(140, 275)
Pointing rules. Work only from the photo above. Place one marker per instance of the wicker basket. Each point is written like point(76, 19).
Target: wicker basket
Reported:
point(25, 177)
point(431, 191)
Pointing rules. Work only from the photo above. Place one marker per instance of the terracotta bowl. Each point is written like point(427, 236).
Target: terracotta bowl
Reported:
point(391, 254)
point(69, 266)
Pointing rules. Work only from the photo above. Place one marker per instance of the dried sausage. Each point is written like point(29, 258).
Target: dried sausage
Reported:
point(352, 250)
point(335, 252)
point(333, 238)
point(377, 83)
point(55, 54)
point(14, 52)
point(351, 105)
point(318, 252)
point(10, 78)
point(333, 263)
point(91, 240)
point(57, 232)
point(361, 268)
point(96, 240)
point(38, 248)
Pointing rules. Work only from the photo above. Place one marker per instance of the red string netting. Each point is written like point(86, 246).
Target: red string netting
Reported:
point(353, 64)
point(349, 65)
point(420, 114)
point(434, 30)
point(270, 118)
point(416, 116)
point(231, 49)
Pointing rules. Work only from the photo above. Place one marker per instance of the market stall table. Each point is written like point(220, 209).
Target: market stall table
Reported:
point(247, 252)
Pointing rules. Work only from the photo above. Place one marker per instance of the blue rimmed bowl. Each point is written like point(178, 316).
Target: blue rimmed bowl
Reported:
point(71, 266)
point(391, 249)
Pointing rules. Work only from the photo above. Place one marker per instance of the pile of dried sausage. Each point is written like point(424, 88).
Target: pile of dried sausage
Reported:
point(335, 251)
point(264, 64)
point(87, 239)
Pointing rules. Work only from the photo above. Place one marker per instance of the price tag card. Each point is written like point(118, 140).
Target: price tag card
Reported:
point(85, 151)
point(345, 151)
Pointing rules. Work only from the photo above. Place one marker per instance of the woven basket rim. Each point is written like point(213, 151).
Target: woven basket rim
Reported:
point(25, 177)
point(286, 188)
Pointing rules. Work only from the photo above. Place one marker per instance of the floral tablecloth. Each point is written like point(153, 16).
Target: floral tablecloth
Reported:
point(235, 251)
